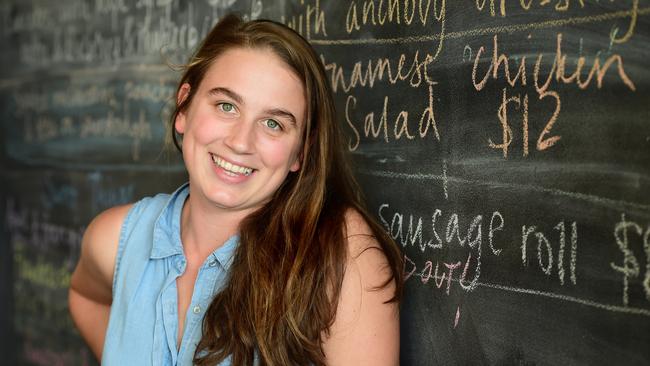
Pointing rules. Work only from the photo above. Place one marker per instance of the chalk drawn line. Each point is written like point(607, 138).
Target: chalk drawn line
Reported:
point(552, 295)
point(513, 28)
point(556, 192)
point(591, 303)
point(156, 72)
point(162, 167)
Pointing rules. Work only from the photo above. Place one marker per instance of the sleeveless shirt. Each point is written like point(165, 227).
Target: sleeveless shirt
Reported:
point(143, 323)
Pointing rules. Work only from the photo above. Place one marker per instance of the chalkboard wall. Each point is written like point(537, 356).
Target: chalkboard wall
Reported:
point(505, 145)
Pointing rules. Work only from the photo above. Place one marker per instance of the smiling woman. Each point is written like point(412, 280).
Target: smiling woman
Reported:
point(247, 115)
point(267, 256)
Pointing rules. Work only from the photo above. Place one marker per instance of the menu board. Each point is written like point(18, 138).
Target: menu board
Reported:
point(504, 145)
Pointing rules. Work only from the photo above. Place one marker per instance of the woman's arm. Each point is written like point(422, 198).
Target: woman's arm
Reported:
point(365, 329)
point(91, 285)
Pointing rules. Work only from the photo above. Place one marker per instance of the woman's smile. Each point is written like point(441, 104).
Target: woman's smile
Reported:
point(231, 168)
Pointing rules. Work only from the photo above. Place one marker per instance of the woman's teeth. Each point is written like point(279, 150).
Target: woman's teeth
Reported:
point(231, 168)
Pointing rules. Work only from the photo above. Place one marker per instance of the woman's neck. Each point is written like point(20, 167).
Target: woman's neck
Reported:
point(205, 227)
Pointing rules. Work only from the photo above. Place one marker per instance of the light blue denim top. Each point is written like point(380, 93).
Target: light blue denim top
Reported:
point(143, 324)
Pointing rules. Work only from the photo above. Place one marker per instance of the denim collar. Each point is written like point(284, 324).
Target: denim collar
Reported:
point(167, 232)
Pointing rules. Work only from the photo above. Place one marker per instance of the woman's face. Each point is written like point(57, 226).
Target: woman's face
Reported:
point(242, 131)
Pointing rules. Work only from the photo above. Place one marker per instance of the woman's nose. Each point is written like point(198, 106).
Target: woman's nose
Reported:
point(240, 138)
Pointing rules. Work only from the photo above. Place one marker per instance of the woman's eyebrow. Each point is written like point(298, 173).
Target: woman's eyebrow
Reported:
point(278, 112)
point(228, 92)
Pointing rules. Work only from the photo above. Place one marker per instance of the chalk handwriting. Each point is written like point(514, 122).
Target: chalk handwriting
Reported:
point(68, 97)
point(34, 228)
point(30, 101)
point(112, 8)
point(48, 18)
point(111, 125)
point(160, 92)
point(48, 357)
point(105, 193)
point(136, 39)
point(57, 194)
point(75, 97)
point(378, 13)
point(626, 233)
point(40, 272)
point(377, 127)
point(499, 68)
point(366, 74)
point(560, 5)
point(311, 22)
point(545, 252)
point(435, 236)
point(443, 273)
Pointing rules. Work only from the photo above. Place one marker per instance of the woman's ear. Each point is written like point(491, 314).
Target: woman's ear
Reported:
point(296, 164)
point(183, 93)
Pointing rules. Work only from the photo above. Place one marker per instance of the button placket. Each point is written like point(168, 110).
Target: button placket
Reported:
point(180, 265)
point(169, 304)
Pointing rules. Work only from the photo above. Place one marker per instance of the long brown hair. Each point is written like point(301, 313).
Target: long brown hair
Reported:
point(284, 284)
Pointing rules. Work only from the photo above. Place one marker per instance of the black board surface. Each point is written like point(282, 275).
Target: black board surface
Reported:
point(505, 145)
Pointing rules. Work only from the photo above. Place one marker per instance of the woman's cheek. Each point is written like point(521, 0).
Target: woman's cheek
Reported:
point(207, 130)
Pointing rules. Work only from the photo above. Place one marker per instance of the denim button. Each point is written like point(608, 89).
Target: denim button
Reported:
point(197, 309)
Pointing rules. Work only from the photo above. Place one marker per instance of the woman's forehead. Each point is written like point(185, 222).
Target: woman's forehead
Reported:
point(257, 64)
point(259, 76)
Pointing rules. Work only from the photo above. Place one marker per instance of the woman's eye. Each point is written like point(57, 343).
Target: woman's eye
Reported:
point(227, 107)
point(272, 124)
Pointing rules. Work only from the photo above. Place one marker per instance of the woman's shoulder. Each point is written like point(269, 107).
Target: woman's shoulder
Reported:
point(364, 313)
point(360, 236)
point(101, 238)
point(365, 253)
point(110, 218)
point(107, 225)
point(93, 276)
